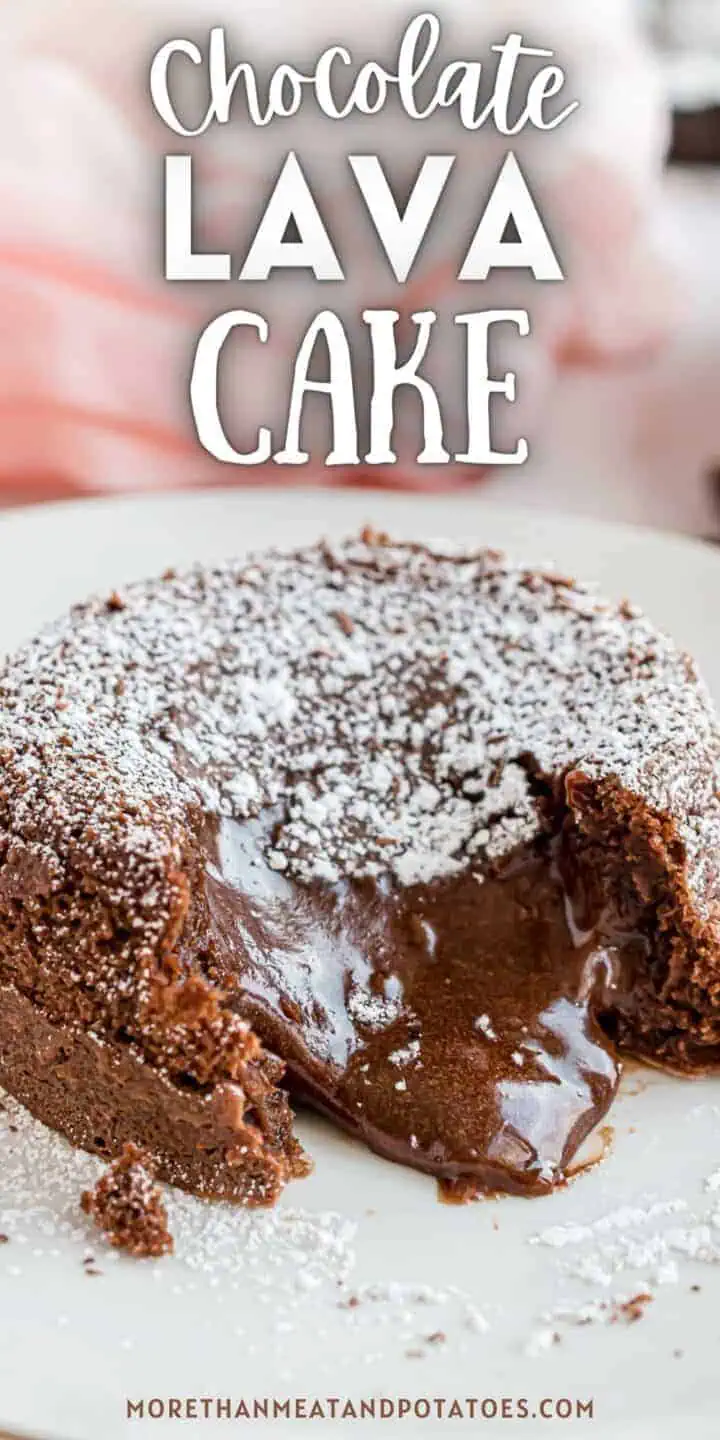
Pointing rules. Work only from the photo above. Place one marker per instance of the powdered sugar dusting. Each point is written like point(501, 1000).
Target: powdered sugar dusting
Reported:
point(285, 1249)
point(484, 1024)
point(290, 1258)
point(610, 1267)
point(645, 1246)
point(408, 1055)
point(383, 696)
point(626, 1217)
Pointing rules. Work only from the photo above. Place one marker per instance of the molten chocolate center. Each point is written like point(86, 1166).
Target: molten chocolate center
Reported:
point(454, 1027)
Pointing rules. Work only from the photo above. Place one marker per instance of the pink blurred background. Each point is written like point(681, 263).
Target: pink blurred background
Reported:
point(618, 391)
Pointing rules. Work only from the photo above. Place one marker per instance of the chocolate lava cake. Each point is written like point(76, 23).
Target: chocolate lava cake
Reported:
point(411, 834)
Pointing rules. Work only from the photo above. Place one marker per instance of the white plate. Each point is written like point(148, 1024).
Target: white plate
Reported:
point(73, 1348)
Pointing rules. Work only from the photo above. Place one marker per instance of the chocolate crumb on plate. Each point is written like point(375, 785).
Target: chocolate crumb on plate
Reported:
point(633, 1309)
point(127, 1206)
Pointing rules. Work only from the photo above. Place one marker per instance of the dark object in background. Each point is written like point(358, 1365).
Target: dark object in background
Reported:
point(696, 136)
point(713, 480)
point(686, 36)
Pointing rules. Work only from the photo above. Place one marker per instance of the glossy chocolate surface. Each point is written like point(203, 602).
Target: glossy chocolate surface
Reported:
point(454, 1026)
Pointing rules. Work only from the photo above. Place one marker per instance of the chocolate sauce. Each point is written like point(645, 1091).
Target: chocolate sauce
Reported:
point(454, 1027)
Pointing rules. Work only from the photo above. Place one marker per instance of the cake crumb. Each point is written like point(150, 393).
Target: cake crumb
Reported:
point(346, 624)
point(633, 1309)
point(128, 1207)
